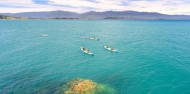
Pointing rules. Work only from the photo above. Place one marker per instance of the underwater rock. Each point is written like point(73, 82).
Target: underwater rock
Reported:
point(82, 86)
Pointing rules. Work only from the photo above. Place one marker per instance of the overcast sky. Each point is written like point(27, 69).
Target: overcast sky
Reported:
point(81, 6)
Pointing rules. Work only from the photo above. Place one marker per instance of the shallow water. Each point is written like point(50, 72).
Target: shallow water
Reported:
point(153, 58)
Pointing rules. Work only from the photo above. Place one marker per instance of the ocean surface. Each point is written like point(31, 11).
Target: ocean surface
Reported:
point(153, 56)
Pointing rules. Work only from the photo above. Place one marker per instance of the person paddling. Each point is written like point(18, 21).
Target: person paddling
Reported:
point(88, 51)
point(112, 49)
point(107, 46)
point(84, 49)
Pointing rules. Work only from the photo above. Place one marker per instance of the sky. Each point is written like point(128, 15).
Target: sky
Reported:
point(81, 6)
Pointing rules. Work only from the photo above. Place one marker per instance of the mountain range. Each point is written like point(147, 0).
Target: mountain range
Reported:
point(93, 15)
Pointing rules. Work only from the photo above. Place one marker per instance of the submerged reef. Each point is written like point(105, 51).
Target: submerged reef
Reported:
point(82, 86)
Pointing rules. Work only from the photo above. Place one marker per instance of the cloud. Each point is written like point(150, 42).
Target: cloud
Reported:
point(165, 6)
point(80, 6)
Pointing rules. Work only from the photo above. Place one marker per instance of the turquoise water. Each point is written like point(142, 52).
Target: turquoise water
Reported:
point(153, 58)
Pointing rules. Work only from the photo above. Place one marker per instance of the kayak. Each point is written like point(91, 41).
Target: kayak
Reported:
point(44, 35)
point(110, 49)
point(90, 53)
point(93, 38)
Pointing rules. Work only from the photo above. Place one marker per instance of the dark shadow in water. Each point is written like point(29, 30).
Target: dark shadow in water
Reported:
point(115, 80)
point(29, 82)
point(34, 82)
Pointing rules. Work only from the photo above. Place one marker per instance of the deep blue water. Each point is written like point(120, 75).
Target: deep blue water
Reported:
point(153, 58)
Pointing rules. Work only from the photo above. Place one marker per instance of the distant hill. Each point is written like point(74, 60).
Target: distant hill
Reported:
point(10, 17)
point(132, 15)
point(45, 15)
point(100, 15)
